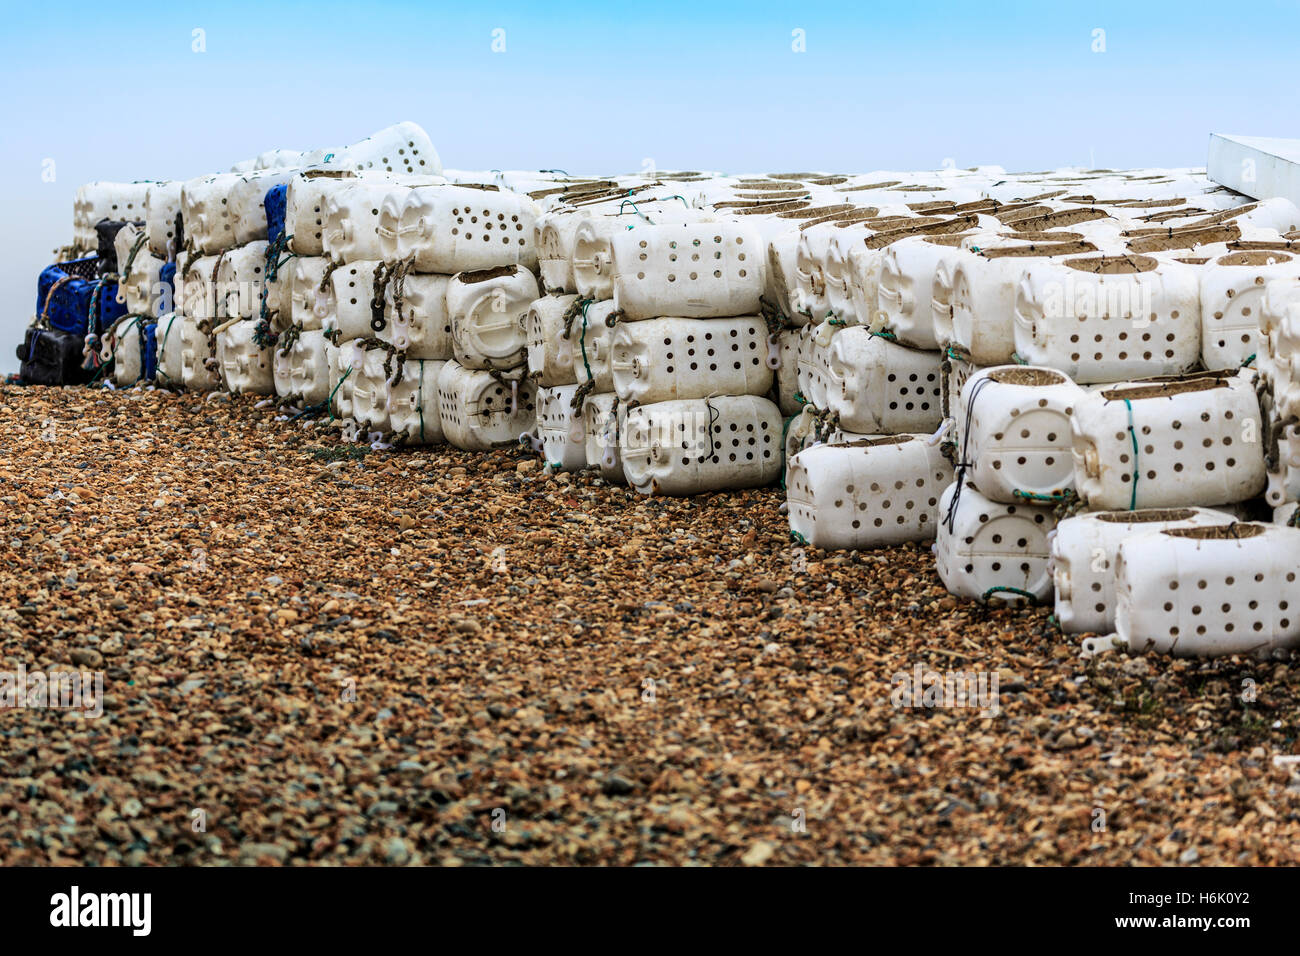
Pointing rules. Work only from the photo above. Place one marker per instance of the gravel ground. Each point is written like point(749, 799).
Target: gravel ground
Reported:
point(344, 656)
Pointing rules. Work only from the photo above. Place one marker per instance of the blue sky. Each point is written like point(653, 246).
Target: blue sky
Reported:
point(598, 87)
point(115, 91)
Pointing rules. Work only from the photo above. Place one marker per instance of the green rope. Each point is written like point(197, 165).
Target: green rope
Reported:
point(798, 397)
point(884, 334)
point(1015, 357)
point(1132, 502)
point(1052, 498)
point(798, 537)
point(1250, 358)
point(1032, 598)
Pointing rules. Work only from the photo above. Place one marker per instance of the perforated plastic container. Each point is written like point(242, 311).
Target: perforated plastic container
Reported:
point(556, 231)
point(246, 202)
point(348, 300)
point(418, 323)
point(1232, 291)
point(1199, 441)
point(984, 295)
point(1108, 318)
point(810, 297)
point(479, 412)
point(905, 291)
point(308, 305)
point(661, 360)
point(550, 352)
point(403, 148)
point(105, 200)
point(487, 312)
point(561, 436)
point(814, 375)
point(866, 493)
point(198, 363)
point(206, 216)
point(787, 373)
point(246, 367)
point(987, 549)
point(881, 387)
point(240, 279)
point(167, 337)
point(413, 408)
point(693, 270)
point(196, 293)
point(450, 229)
point(1017, 439)
point(1207, 591)
point(162, 203)
point(304, 201)
point(603, 416)
point(370, 390)
point(345, 363)
point(1284, 475)
point(700, 445)
point(138, 275)
point(1083, 552)
point(308, 371)
point(133, 339)
point(350, 219)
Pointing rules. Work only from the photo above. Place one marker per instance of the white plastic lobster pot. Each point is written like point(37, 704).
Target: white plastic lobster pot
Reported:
point(246, 367)
point(348, 302)
point(603, 417)
point(102, 200)
point(593, 339)
point(487, 310)
point(957, 372)
point(1232, 293)
point(866, 493)
point(196, 293)
point(413, 413)
point(1017, 435)
point(881, 387)
point(905, 291)
point(561, 432)
point(700, 445)
point(941, 295)
point(403, 148)
point(1083, 552)
point(550, 349)
point(417, 319)
point(780, 275)
point(345, 363)
point(206, 212)
point(308, 302)
point(1284, 478)
point(836, 277)
point(1199, 441)
point(987, 549)
point(128, 367)
point(1207, 591)
point(310, 365)
point(162, 203)
point(809, 297)
point(370, 383)
point(692, 270)
point(662, 360)
point(167, 342)
point(240, 280)
point(246, 202)
point(450, 229)
point(304, 219)
point(787, 372)
point(480, 412)
point(803, 430)
point(198, 364)
point(350, 219)
point(555, 232)
point(1108, 318)
point(814, 375)
point(138, 283)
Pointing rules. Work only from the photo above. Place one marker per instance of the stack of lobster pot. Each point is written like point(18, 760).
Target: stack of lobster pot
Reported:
point(131, 342)
point(1014, 471)
point(570, 329)
point(688, 353)
point(1279, 393)
point(444, 316)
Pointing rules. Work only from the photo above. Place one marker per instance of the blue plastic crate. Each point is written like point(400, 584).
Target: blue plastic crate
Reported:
point(276, 210)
